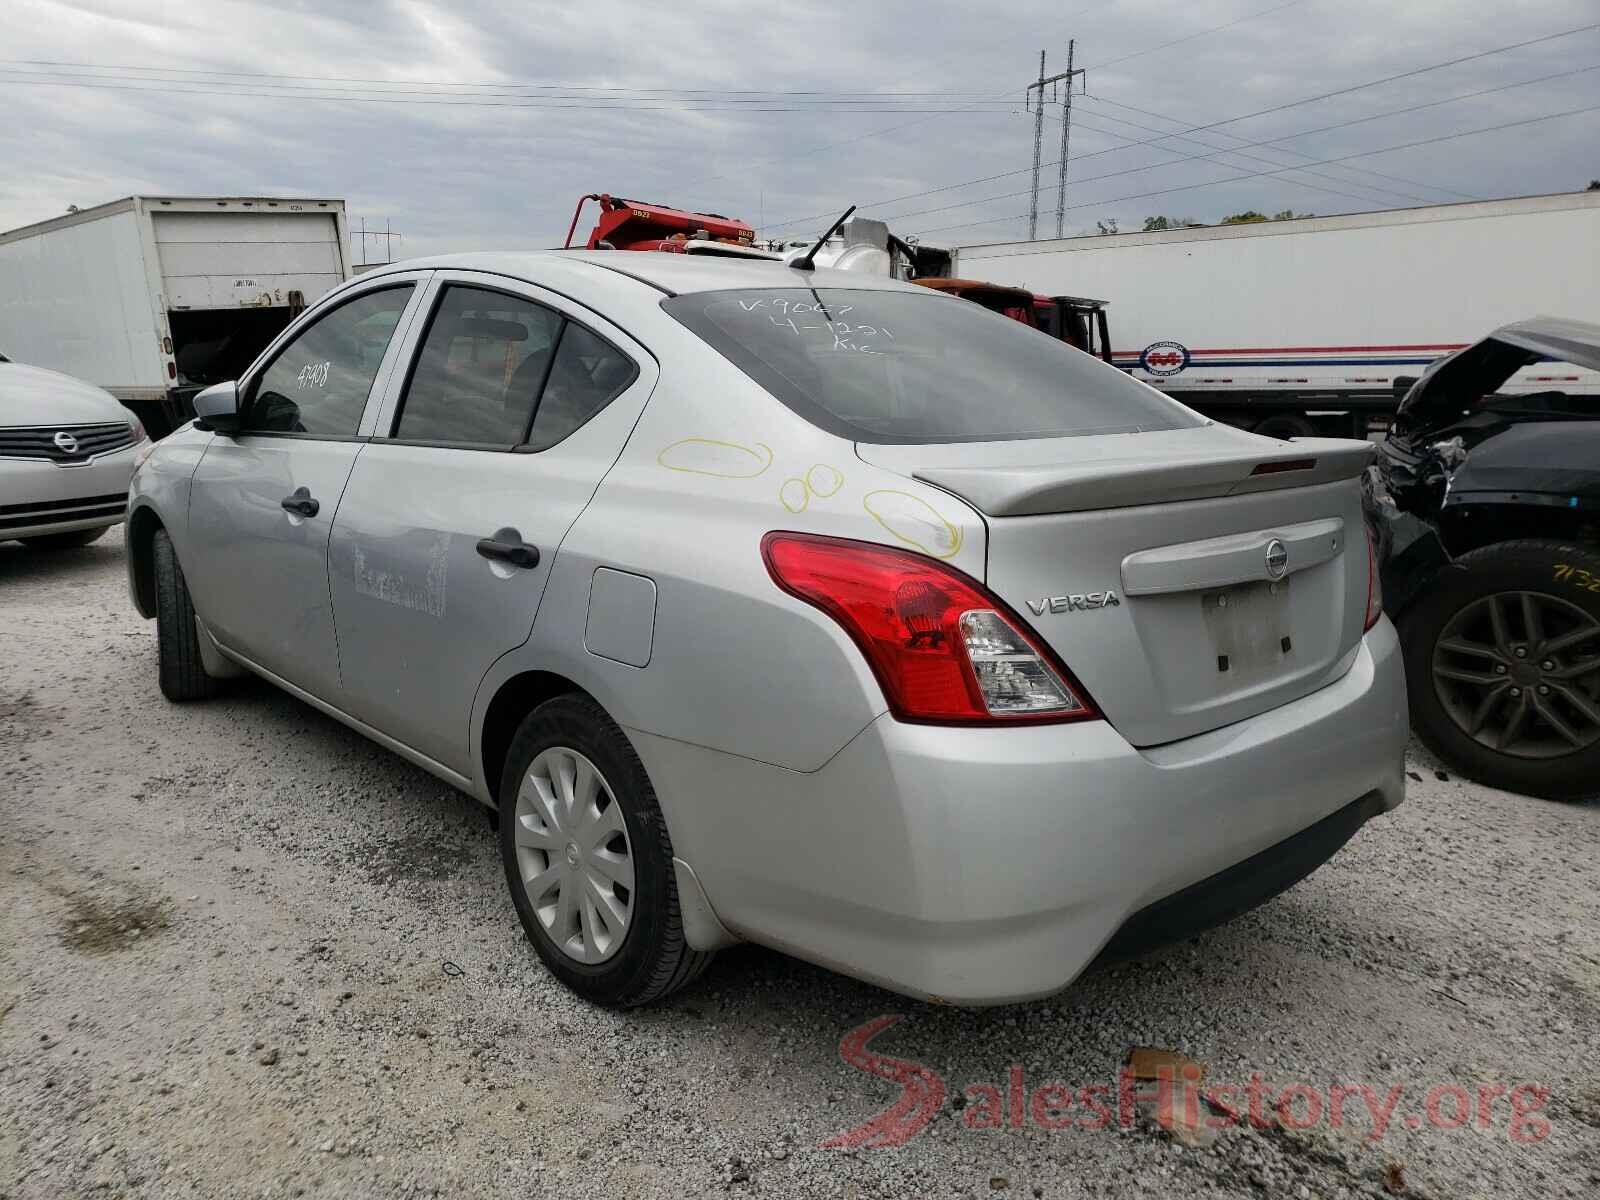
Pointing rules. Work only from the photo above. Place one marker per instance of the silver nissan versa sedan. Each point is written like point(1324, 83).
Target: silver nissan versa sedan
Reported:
point(798, 607)
point(67, 449)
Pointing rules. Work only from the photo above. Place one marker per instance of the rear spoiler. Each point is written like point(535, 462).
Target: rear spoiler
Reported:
point(1112, 483)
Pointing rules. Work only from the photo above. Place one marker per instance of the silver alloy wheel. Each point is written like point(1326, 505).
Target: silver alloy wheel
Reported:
point(573, 855)
point(1519, 673)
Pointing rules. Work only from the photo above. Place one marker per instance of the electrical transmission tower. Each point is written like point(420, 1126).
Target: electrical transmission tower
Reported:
point(1035, 103)
point(386, 234)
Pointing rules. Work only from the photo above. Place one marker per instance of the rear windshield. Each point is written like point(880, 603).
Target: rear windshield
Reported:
point(898, 367)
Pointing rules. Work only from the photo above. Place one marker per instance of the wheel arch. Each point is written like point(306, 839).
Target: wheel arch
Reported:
point(513, 700)
point(1469, 525)
point(143, 525)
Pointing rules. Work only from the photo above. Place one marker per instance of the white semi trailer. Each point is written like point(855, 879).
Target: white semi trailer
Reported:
point(154, 297)
point(1303, 326)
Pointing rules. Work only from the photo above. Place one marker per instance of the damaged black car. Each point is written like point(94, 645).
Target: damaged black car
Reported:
point(1488, 496)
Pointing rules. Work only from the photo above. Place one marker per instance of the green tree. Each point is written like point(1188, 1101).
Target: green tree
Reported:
point(1252, 217)
point(1594, 186)
point(1156, 224)
point(1108, 226)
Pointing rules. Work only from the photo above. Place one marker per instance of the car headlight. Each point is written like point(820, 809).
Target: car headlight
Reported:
point(143, 446)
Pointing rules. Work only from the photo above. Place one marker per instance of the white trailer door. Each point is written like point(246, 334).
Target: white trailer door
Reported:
point(246, 259)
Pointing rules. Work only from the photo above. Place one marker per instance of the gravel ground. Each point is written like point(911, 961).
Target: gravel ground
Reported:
point(243, 952)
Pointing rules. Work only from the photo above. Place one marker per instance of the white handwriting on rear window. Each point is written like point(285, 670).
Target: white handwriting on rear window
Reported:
point(785, 305)
point(845, 335)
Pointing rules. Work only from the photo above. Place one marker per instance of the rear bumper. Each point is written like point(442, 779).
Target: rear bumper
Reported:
point(981, 866)
point(1241, 887)
point(40, 497)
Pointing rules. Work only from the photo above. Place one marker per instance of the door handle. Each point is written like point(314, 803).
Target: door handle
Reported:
point(507, 546)
point(300, 503)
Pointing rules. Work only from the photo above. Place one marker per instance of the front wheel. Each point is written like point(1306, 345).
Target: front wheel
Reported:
point(1503, 667)
point(182, 670)
point(588, 859)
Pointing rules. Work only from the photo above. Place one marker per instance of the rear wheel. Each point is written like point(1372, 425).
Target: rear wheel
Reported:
point(183, 672)
point(65, 541)
point(588, 859)
point(1285, 426)
point(1503, 666)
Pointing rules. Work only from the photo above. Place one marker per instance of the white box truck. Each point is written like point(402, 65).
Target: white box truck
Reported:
point(155, 297)
point(1304, 326)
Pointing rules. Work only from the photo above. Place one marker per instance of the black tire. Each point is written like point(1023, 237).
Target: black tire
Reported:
point(1284, 426)
point(183, 673)
point(653, 960)
point(1563, 583)
point(65, 541)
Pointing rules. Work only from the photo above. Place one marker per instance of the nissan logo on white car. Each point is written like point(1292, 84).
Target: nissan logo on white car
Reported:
point(1277, 559)
point(66, 443)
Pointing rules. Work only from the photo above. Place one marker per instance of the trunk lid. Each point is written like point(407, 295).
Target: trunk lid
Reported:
point(1143, 559)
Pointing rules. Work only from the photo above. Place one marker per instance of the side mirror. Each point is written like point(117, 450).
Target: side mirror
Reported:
point(216, 408)
point(1403, 384)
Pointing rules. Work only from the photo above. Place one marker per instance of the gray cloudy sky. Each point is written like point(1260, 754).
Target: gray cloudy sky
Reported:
point(773, 112)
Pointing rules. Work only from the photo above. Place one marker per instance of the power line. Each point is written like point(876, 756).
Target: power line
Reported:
point(1243, 144)
point(410, 84)
point(1416, 183)
point(1217, 153)
point(873, 133)
point(168, 89)
point(1393, 112)
point(1258, 174)
point(1265, 12)
point(1345, 91)
point(923, 212)
point(1277, 108)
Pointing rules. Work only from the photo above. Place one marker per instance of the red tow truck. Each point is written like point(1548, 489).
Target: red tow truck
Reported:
point(637, 225)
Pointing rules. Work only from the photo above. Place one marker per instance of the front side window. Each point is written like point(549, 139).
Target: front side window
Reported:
point(899, 367)
point(481, 369)
point(319, 382)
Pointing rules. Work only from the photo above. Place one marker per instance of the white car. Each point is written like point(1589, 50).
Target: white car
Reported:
point(67, 451)
point(804, 607)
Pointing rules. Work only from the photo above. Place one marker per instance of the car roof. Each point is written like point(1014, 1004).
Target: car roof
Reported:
point(674, 274)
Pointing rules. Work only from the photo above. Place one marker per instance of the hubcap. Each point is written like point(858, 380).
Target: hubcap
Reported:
point(1519, 672)
point(574, 856)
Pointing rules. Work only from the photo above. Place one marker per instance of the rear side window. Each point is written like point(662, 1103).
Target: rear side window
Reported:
point(587, 375)
point(318, 383)
point(898, 367)
point(498, 371)
point(482, 366)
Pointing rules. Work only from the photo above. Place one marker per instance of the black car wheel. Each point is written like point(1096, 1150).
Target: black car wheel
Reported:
point(1284, 426)
point(1503, 667)
point(588, 859)
point(182, 670)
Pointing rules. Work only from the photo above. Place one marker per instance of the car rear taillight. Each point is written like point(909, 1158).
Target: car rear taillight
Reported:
point(943, 648)
point(1374, 583)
